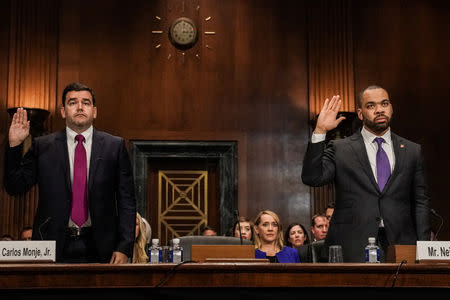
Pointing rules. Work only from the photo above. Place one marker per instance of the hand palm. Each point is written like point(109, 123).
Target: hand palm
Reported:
point(327, 118)
point(20, 127)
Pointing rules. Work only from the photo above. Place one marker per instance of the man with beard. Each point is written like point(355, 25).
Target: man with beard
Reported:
point(379, 177)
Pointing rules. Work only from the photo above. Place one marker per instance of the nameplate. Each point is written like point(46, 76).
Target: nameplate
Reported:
point(27, 251)
point(433, 251)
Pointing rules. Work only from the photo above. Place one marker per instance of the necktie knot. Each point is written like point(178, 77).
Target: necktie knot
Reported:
point(379, 141)
point(79, 138)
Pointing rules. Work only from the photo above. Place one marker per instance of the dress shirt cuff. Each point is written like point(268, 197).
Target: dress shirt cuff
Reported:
point(318, 137)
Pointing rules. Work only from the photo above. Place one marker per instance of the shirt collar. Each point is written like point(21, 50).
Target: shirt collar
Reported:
point(87, 134)
point(369, 136)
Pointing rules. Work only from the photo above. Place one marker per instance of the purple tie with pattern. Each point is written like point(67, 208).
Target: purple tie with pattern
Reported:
point(383, 165)
point(79, 209)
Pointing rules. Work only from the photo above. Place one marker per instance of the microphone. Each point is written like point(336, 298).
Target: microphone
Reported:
point(239, 224)
point(42, 225)
point(440, 225)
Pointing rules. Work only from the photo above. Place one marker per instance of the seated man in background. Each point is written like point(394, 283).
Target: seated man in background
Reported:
point(209, 231)
point(319, 227)
point(26, 233)
point(6, 237)
point(329, 211)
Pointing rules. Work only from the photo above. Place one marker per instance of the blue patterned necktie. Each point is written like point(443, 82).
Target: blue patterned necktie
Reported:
point(383, 165)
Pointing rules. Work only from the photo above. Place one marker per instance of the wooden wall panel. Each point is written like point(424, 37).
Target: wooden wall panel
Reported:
point(31, 82)
point(330, 58)
point(5, 222)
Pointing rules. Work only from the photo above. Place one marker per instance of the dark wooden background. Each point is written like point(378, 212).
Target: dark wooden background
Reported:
point(257, 80)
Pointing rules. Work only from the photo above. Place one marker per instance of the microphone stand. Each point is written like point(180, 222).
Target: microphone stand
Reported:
point(440, 225)
point(239, 226)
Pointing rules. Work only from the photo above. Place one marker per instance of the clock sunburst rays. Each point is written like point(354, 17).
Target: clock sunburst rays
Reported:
point(183, 35)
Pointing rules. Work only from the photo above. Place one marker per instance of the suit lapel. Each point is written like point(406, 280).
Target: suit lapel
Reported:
point(63, 155)
point(360, 151)
point(399, 152)
point(96, 157)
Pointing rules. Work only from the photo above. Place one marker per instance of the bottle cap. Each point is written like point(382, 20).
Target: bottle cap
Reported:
point(176, 241)
point(371, 240)
point(155, 241)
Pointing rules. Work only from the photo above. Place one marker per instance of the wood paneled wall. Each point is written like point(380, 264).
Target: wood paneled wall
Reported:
point(330, 59)
point(31, 82)
point(258, 80)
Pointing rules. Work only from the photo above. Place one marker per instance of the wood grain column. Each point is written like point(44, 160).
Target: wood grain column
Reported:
point(330, 68)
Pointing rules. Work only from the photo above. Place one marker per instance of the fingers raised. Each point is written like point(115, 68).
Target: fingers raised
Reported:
point(335, 103)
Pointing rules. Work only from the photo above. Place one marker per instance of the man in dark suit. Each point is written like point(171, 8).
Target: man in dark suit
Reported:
point(103, 228)
point(381, 189)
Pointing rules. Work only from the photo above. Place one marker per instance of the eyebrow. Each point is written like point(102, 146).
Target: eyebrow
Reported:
point(372, 102)
point(74, 98)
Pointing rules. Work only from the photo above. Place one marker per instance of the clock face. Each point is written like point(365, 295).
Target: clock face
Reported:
point(183, 33)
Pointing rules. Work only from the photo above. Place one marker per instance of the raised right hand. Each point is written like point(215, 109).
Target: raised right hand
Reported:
point(20, 128)
point(327, 118)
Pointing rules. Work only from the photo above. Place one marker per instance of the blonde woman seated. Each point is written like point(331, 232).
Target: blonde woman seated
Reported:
point(269, 239)
point(140, 242)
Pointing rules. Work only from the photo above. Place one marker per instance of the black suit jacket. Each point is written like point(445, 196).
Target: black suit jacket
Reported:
point(111, 198)
point(403, 204)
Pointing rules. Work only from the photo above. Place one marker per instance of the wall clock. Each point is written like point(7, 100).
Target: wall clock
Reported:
point(183, 33)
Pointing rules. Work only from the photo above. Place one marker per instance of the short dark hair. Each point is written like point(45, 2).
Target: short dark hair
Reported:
point(6, 237)
point(207, 228)
point(27, 228)
point(370, 87)
point(76, 86)
point(313, 219)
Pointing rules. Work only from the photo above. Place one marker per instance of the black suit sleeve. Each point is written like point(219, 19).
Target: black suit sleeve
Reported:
point(126, 204)
point(20, 171)
point(421, 197)
point(318, 164)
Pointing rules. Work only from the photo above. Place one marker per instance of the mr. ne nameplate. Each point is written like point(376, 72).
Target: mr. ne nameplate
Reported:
point(27, 251)
point(433, 250)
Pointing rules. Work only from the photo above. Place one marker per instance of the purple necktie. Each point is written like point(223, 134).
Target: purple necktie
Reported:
point(79, 209)
point(383, 165)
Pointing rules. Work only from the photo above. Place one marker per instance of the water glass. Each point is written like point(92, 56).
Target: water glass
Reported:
point(335, 254)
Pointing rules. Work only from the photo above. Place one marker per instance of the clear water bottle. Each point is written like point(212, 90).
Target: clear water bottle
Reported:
point(372, 252)
point(155, 252)
point(177, 251)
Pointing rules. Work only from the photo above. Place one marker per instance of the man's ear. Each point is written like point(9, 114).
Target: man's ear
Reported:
point(63, 112)
point(359, 112)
